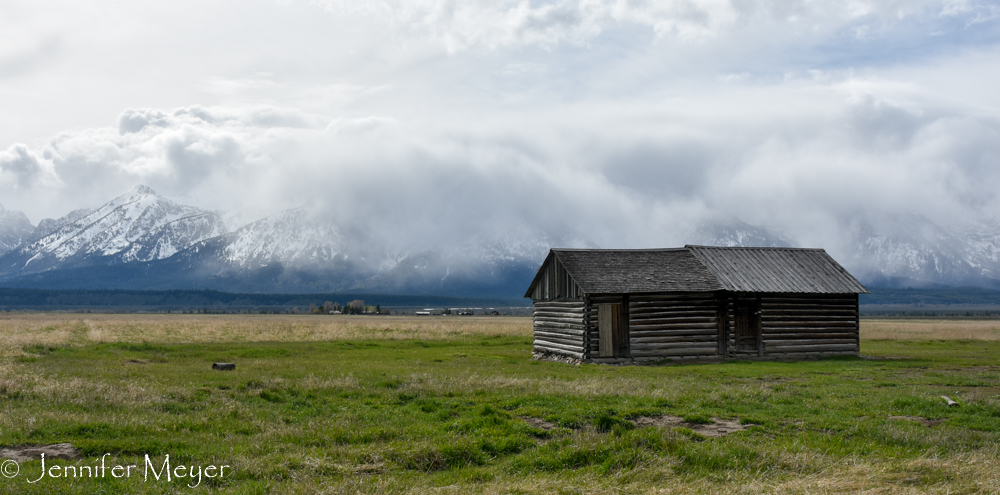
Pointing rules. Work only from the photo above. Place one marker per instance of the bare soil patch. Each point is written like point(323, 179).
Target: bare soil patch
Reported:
point(924, 421)
point(539, 423)
point(34, 452)
point(717, 428)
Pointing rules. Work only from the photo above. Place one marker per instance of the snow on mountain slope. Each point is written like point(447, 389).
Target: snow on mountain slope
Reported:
point(291, 237)
point(984, 242)
point(143, 240)
point(735, 233)
point(174, 236)
point(137, 226)
point(14, 229)
point(911, 249)
point(48, 225)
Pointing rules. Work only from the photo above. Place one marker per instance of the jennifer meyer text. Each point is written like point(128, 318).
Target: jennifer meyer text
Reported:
point(149, 470)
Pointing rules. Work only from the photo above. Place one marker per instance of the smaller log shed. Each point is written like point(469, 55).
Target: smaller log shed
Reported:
point(695, 302)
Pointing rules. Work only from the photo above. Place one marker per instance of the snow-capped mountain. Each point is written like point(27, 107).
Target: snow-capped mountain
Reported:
point(910, 250)
point(734, 233)
point(14, 229)
point(143, 241)
point(292, 237)
point(49, 225)
point(135, 227)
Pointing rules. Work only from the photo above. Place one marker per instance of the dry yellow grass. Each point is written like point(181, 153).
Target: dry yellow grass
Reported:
point(906, 329)
point(19, 330)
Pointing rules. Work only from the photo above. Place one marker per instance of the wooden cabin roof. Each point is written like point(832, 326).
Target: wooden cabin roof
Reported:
point(747, 269)
point(703, 268)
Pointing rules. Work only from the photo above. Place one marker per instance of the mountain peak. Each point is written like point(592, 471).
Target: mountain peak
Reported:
point(141, 190)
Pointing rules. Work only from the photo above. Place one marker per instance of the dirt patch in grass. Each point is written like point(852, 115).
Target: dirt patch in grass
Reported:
point(924, 421)
point(540, 423)
point(717, 428)
point(34, 452)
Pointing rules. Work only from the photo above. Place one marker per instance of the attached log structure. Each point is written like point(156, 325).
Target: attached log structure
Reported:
point(572, 320)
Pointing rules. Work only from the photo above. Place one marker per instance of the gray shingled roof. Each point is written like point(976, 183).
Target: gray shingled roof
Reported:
point(633, 270)
point(743, 269)
point(705, 268)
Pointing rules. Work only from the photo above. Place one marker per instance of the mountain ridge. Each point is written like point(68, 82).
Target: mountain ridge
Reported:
point(140, 240)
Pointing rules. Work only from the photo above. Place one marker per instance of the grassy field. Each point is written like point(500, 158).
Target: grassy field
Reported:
point(456, 405)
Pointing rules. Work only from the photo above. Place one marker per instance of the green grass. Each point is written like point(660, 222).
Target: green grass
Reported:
point(388, 416)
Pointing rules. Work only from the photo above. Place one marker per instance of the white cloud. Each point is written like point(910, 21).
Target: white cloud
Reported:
point(625, 120)
point(22, 169)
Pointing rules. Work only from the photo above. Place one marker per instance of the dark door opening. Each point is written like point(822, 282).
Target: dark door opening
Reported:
point(747, 323)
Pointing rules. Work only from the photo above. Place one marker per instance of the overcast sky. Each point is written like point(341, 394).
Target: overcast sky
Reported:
point(626, 121)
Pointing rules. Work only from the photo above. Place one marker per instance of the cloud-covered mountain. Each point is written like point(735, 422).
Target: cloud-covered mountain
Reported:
point(908, 250)
point(14, 229)
point(143, 241)
point(883, 250)
point(733, 233)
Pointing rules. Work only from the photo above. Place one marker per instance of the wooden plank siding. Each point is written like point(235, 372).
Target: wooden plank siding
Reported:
point(556, 283)
point(559, 328)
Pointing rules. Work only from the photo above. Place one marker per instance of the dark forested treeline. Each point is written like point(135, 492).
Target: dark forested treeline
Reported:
point(951, 296)
point(12, 299)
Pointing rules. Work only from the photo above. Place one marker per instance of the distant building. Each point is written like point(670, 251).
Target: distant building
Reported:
point(699, 302)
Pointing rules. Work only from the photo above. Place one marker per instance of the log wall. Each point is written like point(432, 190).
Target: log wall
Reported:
point(560, 328)
point(664, 326)
point(809, 325)
point(701, 326)
point(674, 325)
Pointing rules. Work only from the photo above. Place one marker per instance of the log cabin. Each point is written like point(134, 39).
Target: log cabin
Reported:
point(693, 303)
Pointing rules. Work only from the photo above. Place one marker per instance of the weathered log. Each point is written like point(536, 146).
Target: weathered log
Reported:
point(553, 321)
point(788, 343)
point(809, 335)
point(950, 402)
point(557, 345)
point(710, 320)
point(555, 350)
point(554, 335)
point(809, 348)
point(565, 333)
point(673, 333)
point(571, 343)
point(669, 312)
point(558, 316)
point(769, 329)
point(665, 340)
point(804, 323)
point(679, 345)
point(667, 352)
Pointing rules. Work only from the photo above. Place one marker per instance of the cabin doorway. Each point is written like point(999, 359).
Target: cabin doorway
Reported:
point(612, 329)
point(747, 323)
